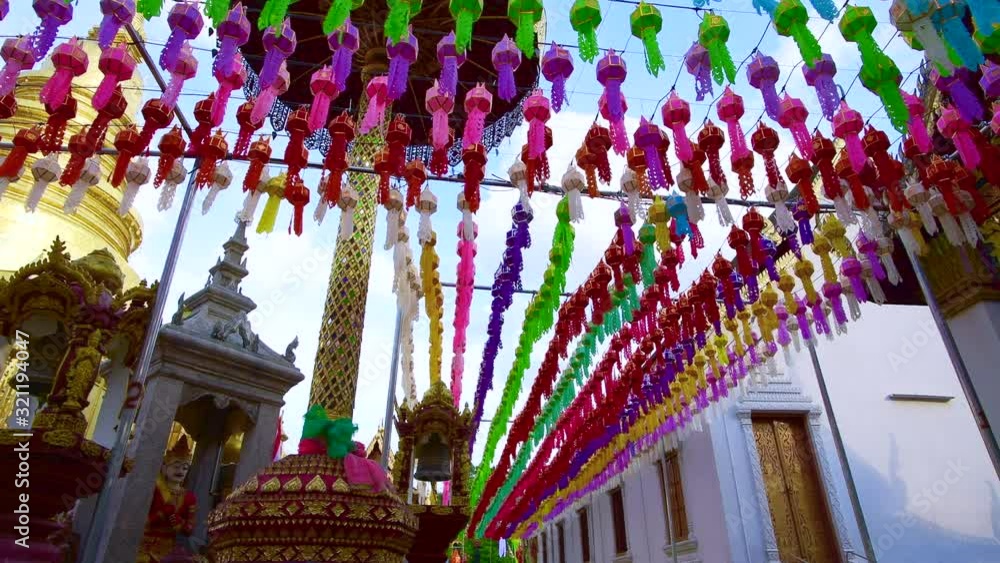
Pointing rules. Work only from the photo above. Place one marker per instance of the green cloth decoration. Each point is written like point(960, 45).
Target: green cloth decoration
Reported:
point(585, 15)
point(790, 19)
point(466, 13)
point(713, 34)
point(149, 8)
point(646, 23)
point(647, 264)
point(525, 14)
point(273, 14)
point(338, 13)
point(216, 10)
point(397, 24)
point(338, 434)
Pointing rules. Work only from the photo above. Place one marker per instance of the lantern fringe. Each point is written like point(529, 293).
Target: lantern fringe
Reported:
point(336, 15)
point(432, 303)
point(270, 214)
point(463, 302)
point(654, 59)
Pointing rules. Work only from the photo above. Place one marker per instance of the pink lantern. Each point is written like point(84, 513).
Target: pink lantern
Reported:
point(378, 101)
point(450, 60)
point(401, 56)
point(278, 46)
point(185, 23)
point(233, 33)
point(440, 105)
point(917, 128)
point(116, 14)
point(117, 65)
point(478, 103)
point(847, 125)
point(557, 66)
point(54, 14)
point(730, 111)
point(183, 69)
point(793, 117)
point(820, 77)
point(18, 55)
point(506, 59)
point(265, 100)
point(952, 125)
point(70, 61)
point(619, 137)
point(229, 79)
point(699, 65)
point(676, 115)
point(536, 113)
point(324, 90)
point(763, 73)
point(344, 42)
point(649, 138)
point(611, 72)
point(956, 86)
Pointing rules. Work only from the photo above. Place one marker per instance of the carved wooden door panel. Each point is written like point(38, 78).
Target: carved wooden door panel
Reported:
point(795, 492)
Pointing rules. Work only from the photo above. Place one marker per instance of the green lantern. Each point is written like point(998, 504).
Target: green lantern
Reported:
point(883, 78)
point(525, 14)
point(646, 23)
point(585, 15)
point(338, 14)
point(466, 13)
point(216, 10)
point(790, 19)
point(713, 34)
point(273, 14)
point(857, 26)
point(397, 23)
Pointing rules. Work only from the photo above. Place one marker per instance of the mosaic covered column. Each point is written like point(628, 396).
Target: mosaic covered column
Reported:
point(335, 372)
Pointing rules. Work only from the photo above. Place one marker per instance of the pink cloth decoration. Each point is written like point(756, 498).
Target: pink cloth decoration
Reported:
point(536, 113)
point(54, 14)
point(676, 115)
point(478, 103)
point(378, 100)
point(117, 65)
point(265, 100)
point(116, 14)
point(847, 125)
point(401, 56)
point(506, 58)
point(233, 33)
point(344, 42)
point(185, 23)
point(793, 117)
point(463, 305)
point(183, 69)
point(362, 471)
point(952, 125)
point(228, 81)
point(917, 128)
point(440, 105)
point(324, 91)
point(70, 61)
point(19, 55)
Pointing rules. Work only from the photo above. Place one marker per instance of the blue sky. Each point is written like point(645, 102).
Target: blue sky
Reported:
point(289, 274)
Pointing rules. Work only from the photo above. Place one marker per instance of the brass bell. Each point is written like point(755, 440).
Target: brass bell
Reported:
point(433, 460)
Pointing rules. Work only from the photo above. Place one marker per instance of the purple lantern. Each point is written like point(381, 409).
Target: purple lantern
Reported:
point(506, 59)
point(619, 137)
point(19, 55)
point(54, 14)
point(185, 23)
point(611, 72)
point(344, 42)
point(184, 68)
point(116, 14)
point(4, 9)
point(990, 82)
point(265, 100)
point(401, 56)
point(649, 138)
point(450, 60)
point(233, 33)
point(962, 97)
point(557, 66)
point(762, 73)
point(699, 65)
point(279, 45)
point(820, 77)
point(324, 90)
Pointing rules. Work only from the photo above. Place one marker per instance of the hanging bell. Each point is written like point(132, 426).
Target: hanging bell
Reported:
point(433, 460)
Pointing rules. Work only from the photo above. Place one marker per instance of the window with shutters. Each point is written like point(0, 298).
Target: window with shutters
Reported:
point(618, 520)
point(584, 515)
point(672, 492)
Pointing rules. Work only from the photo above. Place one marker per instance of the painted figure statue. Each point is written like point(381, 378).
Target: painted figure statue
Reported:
point(173, 511)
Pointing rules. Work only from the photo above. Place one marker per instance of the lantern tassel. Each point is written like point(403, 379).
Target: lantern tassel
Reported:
point(525, 36)
point(808, 44)
point(723, 67)
point(336, 15)
point(374, 114)
point(654, 59)
point(270, 214)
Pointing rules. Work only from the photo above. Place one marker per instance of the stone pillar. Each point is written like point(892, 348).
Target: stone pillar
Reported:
point(258, 444)
point(204, 468)
point(116, 377)
point(132, 498)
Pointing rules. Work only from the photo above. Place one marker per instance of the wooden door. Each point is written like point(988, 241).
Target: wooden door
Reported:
point(795, 491)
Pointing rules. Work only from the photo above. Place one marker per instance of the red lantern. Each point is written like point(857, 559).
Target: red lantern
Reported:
point(80, 150)
point(474, 158)
point(341, 129)
point(172, 147)
point(259, 155)
point(439, 158)
point(723, 270)
point(113, 109)
point(823, 153)
point(663, 147)
point(55, 127)
point(753, 224)
point(129, 144)
point(696, 167)
point(635, 158)
point(297, 194)
point(967, 183)
point(710, 140)
point(203, 115)
point(211, 152)
point(296, 155)
point(599, 143)
point(8, 106)
point(247, 128)
point(384, 168)
point(845, 170)
point(799, 172)
point(876, 146)
point(588, 163)
point(26, 141)
point(764, 142)
point(157, 116)
point(416, 175)
point(397, 138)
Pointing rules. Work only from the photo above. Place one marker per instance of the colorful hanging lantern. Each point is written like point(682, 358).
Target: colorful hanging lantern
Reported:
point(598, 142)
point(718, 192)
point(384, 169)
point(790, 20)
point(8, 106)
point(525, 14)
point(824, 153)
point(557, 66)
point(112, 110)
point(272, 14)
point(229, 80)
point(70, 61)
point(820, 77)
point(259, 154)
point(692, 198)
point(296, 154)
point(699, 65)
point(279, 44)
point(506, 58)
point(857, 26)
point(847, 125)
point(990, 80)
point(676, 114)
point(585, 16)
point(344, 42)
point(536, 113)
point(26, 141)
point(88, 177)
point(713, 34)
point(233, 32)
point(953, 126)
point(244, 117)
point(394, 211)
point(883, 80)
point(799, 172)
point(223, 178)
point(636, 162)
point(80, 152)
point(116, 14)
point(378, 100)
point(427, 206)
point(440, 105)
point(478, 103)
point(397, 23)
point(619, 137)
point(611, 73)
point(397, 138)
point(919, 24)
point(474, 158)
point(18, 55)
point(4, 9)
point(764, 142)
point(324, 90)
point(402, 54)
point(859, 193)
point(55, 127)
point(648, 138)
point(274, 188)
point(646, 23)
point(416, 175)
point(763, 73)
point(338, 14)
point(156, 116)
point(348, 203)
point(956, 87)
point(793, 117)
point(185, 23)
point(128, 144)
point(171, 145)
point(184, 67)
point(518, 174)
point(54, 14)
point(450, 57)
point(588, 163)
point(439, 156)
point(630, 187)
point(572, 184)
point(213, 150)
point(948, 17)
point(177, 175)
point(730, 110)
point(710, 141)
point(203, 115)
point(45, 170)
point(297, 194)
